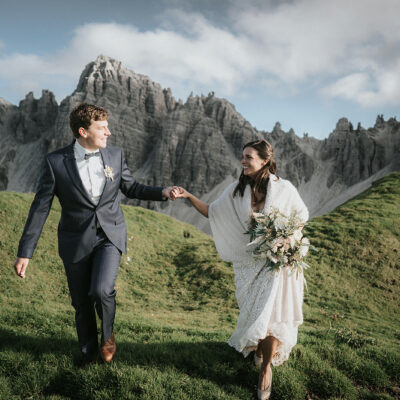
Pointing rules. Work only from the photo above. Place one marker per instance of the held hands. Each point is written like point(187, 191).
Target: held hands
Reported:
point(170, 192)
point(199, 205)
point(175, 192)
point(181, 193)
point(20, 266)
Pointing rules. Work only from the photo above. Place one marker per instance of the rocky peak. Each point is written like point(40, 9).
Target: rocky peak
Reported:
point(358, 154)
point(107, 63)
point(194, 103)
point(292, 161)
point(170, 101)
point(6, 110)
point(277, 134)
point(380, 121)
point(5, 106)
point(343, 125)
point(277, 128)
point(4, 102)
point(103, 67)
point(34, 116)
point(108, 83)
point(30, 104)
point(137, 105)
point(217, 109)
point(234, 128)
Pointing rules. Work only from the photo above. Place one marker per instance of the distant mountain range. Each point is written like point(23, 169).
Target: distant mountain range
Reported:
point(196, 144)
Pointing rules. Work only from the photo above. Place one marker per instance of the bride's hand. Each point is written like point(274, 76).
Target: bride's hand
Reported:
point(181, 192)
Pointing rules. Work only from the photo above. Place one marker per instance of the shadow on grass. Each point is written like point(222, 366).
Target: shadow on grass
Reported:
point(214, 362)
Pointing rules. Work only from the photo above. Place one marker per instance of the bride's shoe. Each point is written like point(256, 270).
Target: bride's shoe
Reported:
point(265, 394)
point(257, 360)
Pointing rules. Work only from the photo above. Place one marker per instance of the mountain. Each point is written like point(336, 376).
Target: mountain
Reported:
point(177, 308)
point(196, 144)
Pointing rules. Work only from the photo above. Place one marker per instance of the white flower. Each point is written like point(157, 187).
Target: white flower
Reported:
point(108, 172)
point(280, 222)
point(273, 259)
point(305, 244)
point(298, 235)
point(275, 244)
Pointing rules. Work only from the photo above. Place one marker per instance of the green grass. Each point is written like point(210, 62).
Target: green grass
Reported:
point(177, 308)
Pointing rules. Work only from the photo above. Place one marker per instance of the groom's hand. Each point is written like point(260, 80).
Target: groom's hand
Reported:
point(170, 192)
point(20, 266)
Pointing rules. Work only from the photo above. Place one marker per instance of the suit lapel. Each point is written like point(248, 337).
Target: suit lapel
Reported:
point(106, 162)
point(72, 169)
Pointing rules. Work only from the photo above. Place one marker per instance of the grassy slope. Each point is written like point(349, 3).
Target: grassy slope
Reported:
point(176, 309)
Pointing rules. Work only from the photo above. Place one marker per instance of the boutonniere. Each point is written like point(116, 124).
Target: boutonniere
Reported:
point(108, 172)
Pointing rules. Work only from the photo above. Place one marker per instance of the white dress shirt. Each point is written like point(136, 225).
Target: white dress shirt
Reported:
point(91, 172)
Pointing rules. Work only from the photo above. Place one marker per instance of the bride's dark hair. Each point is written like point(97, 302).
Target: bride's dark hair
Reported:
point(259, 182)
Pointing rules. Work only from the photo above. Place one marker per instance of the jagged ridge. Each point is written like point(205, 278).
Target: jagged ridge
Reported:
point(197, 144)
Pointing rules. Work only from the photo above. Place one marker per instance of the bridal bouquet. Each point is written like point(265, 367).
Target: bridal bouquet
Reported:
point(278, 239)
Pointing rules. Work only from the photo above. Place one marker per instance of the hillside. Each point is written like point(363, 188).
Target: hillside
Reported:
point(176, 309)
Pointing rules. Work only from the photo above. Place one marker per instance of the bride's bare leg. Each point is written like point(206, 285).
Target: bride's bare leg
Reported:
point(259, 352)
point(268, 347)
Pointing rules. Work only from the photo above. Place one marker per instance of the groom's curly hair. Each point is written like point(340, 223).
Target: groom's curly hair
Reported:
point(258, 183)
point(83, 115)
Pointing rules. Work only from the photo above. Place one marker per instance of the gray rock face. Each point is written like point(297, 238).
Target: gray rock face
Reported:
point(194, 148)
point(295, 157)
point(137, 105)
point(359, 153)
point(34, 117)
point(6, 110)
point(26, 132)
point(197, 144)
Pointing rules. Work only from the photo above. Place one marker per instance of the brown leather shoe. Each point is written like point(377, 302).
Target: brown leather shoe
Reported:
point(108, 349)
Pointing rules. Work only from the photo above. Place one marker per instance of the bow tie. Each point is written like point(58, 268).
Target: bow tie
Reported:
point(88, 155)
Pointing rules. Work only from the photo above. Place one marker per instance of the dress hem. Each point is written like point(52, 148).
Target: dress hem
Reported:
point(282, 353)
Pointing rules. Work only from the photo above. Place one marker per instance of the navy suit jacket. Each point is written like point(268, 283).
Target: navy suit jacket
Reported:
point(77, 226)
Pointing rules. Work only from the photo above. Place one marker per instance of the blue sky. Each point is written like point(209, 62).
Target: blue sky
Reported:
point(304, 63)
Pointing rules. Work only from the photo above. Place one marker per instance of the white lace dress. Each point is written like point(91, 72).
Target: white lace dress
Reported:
point(270, 303)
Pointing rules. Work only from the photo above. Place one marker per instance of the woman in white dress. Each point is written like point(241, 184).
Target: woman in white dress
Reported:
point(270, 303)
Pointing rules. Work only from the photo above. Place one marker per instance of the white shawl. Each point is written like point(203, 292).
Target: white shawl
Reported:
point(229, 216)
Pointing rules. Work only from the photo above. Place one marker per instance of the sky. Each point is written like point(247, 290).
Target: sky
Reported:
point(304, 63)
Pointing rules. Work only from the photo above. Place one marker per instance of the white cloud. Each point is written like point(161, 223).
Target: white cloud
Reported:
point(206, 59)
point(367, 89)
point(345, 49)
point(349, 86)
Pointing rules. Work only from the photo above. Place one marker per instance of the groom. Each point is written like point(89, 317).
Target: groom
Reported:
point(86, 176)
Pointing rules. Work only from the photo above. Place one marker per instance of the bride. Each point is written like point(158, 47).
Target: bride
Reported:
point(270, 303)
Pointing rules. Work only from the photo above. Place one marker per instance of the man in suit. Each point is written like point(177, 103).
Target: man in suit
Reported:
point(87, 176)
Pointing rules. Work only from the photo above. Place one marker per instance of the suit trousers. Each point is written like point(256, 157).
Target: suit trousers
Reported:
point(91, 284)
